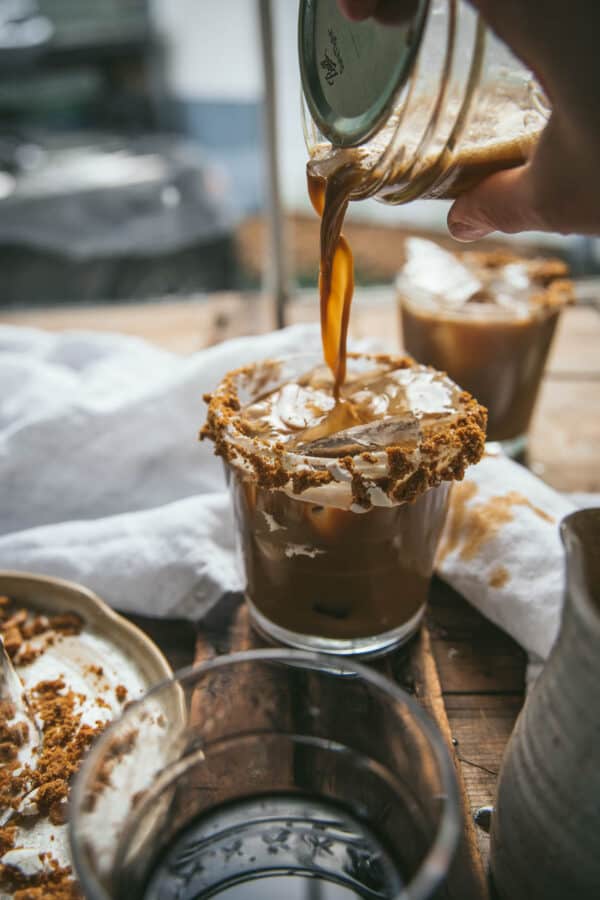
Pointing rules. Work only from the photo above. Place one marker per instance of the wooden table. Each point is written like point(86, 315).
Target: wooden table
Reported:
point(468, 673)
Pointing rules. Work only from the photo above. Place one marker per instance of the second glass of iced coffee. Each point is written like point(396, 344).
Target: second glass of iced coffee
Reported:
point(339, 504)
point(488, 320)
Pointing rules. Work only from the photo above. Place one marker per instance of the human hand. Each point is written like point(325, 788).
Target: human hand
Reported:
point(558, 189)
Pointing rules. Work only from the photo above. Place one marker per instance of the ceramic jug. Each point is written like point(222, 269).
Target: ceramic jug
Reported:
point(546, 826)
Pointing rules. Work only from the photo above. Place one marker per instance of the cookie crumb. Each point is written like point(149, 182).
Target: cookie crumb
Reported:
point(64, 740)
point(121, 693)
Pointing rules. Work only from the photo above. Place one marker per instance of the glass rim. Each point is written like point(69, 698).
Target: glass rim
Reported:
point(330, 480)
point(422, 302)
point(439, 856)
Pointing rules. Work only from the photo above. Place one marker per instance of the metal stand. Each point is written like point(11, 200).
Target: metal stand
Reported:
point(276, 278)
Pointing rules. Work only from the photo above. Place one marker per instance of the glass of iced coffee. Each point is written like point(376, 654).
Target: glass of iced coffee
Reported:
point(488, 320)
point(339, 503)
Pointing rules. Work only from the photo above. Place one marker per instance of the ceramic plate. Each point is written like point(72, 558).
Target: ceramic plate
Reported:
point(54, 595)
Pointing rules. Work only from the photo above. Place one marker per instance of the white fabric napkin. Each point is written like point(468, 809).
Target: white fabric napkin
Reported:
point(104, 482)
point(501, 549)
point(103, 479)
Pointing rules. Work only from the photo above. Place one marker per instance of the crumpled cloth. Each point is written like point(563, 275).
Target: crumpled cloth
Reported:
point(104, 482)
point(501, 549)
point(103, 479)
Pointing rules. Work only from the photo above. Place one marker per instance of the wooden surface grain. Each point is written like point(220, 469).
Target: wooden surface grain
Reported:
point(469, 673)
point(482, 674)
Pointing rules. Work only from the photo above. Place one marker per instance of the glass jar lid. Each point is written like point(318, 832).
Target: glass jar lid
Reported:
point(352, 72)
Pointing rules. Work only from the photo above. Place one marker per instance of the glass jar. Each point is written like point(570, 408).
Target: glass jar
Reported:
point(425, 109)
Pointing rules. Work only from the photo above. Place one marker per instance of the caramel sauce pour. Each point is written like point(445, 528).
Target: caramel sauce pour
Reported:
point(329, 198)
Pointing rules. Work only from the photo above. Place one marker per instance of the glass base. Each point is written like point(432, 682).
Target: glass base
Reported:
point(371, 646)
point(515, 448)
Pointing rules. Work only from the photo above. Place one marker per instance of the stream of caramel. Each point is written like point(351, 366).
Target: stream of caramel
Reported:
point(330, 197)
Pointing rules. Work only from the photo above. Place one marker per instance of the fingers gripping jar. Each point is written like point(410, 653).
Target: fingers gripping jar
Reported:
point(424, 109)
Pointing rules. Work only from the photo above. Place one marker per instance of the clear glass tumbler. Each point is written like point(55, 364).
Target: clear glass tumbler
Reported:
point(487, 319)
point(324, 572)
point(499, 360)
point(267, 773)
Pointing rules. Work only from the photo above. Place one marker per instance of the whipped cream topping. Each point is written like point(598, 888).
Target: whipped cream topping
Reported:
point(377, 409)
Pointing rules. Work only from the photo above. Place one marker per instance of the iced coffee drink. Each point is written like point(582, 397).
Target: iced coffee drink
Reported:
point(340, 502)
point(488, 320)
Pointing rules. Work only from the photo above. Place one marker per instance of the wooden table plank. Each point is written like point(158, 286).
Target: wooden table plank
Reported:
point(483, 685)
point(183, 326)
point(467, 877)
point(576, 346)
point(481, 726)
point(175, 637)
point(472, 655)
point(565, 434)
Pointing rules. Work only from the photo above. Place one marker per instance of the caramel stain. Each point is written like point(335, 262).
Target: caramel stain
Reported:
point(498, 577)
point(461, 494)
point(471, 526)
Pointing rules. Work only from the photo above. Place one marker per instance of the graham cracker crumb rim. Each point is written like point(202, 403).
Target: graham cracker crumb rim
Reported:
point(442, 455)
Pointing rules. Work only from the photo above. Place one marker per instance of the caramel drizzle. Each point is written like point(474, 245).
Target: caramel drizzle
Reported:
point(330, 197)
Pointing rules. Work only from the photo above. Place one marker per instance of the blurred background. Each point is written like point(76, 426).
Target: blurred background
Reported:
point(133, 157)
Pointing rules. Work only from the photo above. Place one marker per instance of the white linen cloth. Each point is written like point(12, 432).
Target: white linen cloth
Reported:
point(102, 478)
point(501, 549)
point(103, 482)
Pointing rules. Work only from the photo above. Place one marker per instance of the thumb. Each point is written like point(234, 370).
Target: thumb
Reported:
point(502, 202)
